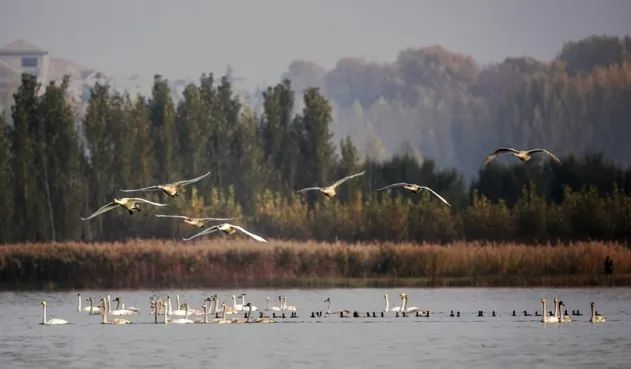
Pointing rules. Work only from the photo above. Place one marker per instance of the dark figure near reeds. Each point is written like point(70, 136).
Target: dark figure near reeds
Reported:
point(608, 265)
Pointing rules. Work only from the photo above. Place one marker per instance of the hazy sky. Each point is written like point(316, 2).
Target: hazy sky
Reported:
point(259, 38)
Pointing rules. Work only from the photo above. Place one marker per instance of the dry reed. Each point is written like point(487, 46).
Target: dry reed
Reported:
point(238, 263)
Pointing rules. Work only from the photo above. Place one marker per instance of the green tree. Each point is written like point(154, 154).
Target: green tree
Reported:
point(6, 183)
point(163, 131)
point(318, 148)
point(30, 220)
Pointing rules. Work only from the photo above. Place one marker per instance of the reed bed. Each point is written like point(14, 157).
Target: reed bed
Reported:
point(239, 263)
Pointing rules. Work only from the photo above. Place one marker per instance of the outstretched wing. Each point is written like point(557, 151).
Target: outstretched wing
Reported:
point(551, 155)
point(339, 182)
point(191, 181)
point(147, 201)
point(217, 219)
point(435, 194)
point(497, 152)
point(101, 210)
point(309, 189)
point(394, 185)
point(172, 216)
point(204, 232)
point(256, 237)
point(150, 188)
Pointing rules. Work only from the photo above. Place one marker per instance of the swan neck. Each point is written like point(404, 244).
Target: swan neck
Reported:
point(43, 314)
point(177, 300)
point(387, 303)
point(79, 298)
point(543, 315)
point(109, 303)
point(328, 310)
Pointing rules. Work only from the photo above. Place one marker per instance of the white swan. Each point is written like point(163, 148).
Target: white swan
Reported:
point(90, 309)
point(105, 310)
point(271, 308)
point(171, 189)
point(223, 319)
point(329, 191)
point(411, 309)
point(400, 308)
point(260, 320)
point(244, 304)
point(286, 307)
point(235, 306)
point(51, 321)
point(523, 155)
point(343, 312)
point(596, 318)
point(184, 320)
point(122, 311)
point(562, 317)
point(414, 188)
point(227, 229)
point(545, 318)
point(195, 222)
point(129, 204)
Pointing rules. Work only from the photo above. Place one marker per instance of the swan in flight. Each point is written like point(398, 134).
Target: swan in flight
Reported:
point(545, 318)
point(329, 191)
point(105, 310)
point(128, 203)
point(195, 222)
point(227, 229)
point(596, 318)
point(51, 321)
point(170, 189)
point(523, 155)
point(414, 188)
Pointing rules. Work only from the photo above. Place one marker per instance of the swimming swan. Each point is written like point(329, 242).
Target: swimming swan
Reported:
point(195, 222)
point(128, 203)
point(170, 189)
point(227, 229)
point(414, 188)
point(51, 321)
point(104, 311)
point(523, 155)
point(329, 191)
point(90, 309)
point(545, 318)
point(184, 320)
point(596, 318)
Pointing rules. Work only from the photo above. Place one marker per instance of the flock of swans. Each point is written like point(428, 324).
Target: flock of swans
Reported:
point(131, 204)
point(215, 311)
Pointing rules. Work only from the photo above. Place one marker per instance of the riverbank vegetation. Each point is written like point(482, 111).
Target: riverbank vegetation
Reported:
point(237, 263)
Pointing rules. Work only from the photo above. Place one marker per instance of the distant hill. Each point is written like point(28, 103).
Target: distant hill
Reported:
point(434, 103)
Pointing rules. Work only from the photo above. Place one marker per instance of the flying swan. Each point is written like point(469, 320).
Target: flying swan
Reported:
point(329, 191)
point(170, 189)
point(414, 188)
point(195, 222)
point(227, 229)
point(523, 155)
point(128, 203)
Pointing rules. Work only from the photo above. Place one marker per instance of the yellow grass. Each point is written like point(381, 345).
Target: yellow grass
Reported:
point(223, 263)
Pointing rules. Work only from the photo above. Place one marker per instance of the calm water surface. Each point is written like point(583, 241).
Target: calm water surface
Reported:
point(436, 342)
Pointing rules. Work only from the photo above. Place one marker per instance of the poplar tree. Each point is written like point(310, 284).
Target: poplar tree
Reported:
point(6, 184)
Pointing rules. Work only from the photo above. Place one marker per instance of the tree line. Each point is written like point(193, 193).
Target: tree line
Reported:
point(55, 167)
point(435, 103)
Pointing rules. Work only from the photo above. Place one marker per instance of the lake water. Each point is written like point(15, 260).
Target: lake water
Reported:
point(439, 341)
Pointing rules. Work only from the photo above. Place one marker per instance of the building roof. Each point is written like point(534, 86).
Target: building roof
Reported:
point(21, 47)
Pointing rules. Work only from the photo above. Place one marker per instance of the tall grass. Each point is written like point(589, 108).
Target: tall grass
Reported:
point(233, 263)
